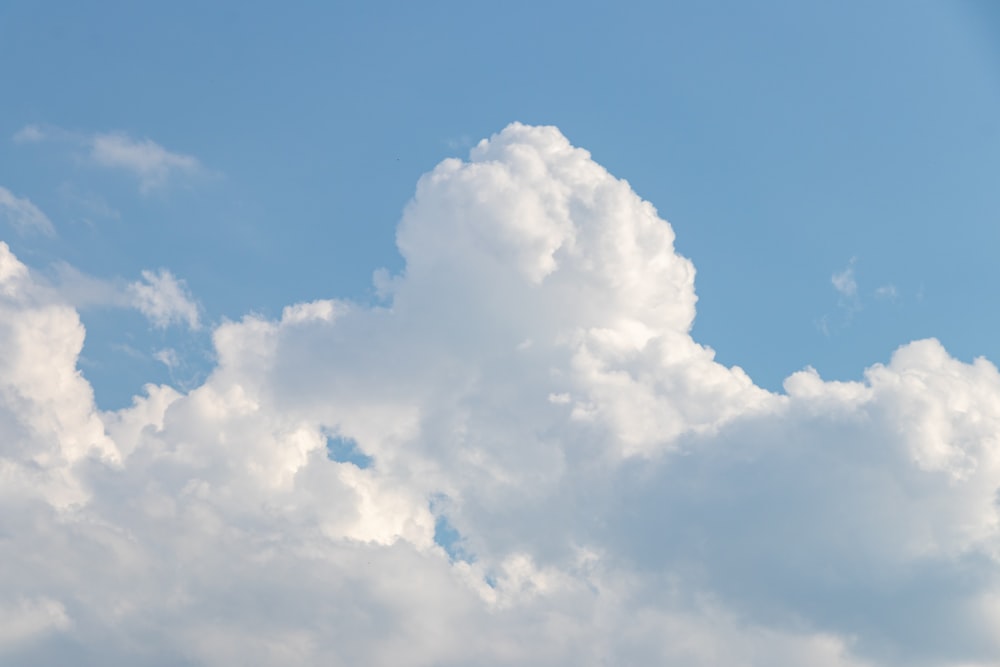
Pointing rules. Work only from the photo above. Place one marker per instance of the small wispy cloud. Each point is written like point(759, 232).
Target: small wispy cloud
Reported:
point(164, 300)
point(30, 134)
point(848, 300)
point(149, 162)
point(886, 292)
point(845, 283)
point(23, 215)
point(168, 357)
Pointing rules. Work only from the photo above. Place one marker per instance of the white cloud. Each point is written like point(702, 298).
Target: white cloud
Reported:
point(24, 216)
point(30, 134)
point(886, 292)
point(619, 497)
point(168, 357)
point(164, 299)
point(148, 161)
point(159, 295)
point(844, 282)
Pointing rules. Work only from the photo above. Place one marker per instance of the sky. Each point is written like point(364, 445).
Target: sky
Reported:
point(545, 333)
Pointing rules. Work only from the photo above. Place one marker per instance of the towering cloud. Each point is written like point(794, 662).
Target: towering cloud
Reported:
point(522, 457)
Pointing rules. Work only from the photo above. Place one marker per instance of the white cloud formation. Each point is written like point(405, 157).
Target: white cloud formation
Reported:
point(164, 299)
point(23, 215)
point(617, 496)
point(161, 297)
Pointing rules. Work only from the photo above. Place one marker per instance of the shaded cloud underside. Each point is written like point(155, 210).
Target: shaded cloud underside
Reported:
point(616, 496)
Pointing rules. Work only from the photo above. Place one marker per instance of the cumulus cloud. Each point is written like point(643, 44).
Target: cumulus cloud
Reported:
point(164, 299)
point(611, 493)
point(23, 215)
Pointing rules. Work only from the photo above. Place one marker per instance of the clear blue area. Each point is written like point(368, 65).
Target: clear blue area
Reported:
point(781, 139)
point(446, 537)
point(345, 450)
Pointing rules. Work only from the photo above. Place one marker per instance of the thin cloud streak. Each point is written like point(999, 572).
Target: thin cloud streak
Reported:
point(23, 215)
point(150, 163)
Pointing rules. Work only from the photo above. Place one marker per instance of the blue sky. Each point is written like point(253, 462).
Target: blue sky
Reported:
point(782, 140)
point(330, 336)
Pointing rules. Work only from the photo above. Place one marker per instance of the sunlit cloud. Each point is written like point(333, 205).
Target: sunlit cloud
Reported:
point(521, 457)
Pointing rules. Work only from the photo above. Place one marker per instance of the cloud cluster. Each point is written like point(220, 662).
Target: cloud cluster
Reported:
point(613, 495)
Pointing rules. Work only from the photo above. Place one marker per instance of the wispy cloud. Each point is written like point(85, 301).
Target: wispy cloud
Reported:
point(886, 292)
point(159, 295)
point(168, 357)
point(164, 299)
point(23, 215)
point(845, 283)
point(149, 162)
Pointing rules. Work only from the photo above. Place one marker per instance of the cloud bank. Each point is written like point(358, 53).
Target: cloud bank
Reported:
point(611, 494)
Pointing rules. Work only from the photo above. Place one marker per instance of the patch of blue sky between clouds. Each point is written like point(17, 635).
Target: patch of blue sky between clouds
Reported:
point(446, 535)
point(449, 539)
point(345, 450)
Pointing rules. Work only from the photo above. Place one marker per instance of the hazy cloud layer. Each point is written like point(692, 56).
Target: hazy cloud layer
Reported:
point(615, 496)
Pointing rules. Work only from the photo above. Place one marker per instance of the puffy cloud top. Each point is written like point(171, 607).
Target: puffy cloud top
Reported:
point(549, 470)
